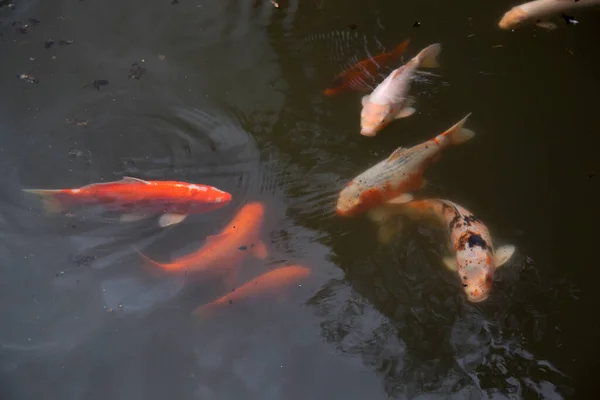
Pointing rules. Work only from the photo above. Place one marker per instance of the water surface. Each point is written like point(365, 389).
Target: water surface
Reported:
point(232, 97)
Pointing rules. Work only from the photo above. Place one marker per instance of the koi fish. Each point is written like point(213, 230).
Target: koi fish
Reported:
point(399, 174)
point(223, 252)
point(474, 257)
point(389, 100)
point(540, 12)
point(138, 199)
point(354, 77)
point(272, 283)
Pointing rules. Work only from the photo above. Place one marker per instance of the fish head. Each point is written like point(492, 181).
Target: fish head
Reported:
point(356, 199)
point(476, 270)
point(513, 18)
point(373, 118)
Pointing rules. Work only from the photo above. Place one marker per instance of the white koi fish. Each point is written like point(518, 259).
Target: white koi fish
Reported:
point(540, 11)
point(389, 100)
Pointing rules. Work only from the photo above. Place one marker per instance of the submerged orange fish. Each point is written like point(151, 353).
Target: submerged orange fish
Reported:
point(473, 258)
point(138, 199)
point(270, 284)
point(402, 172)
point(356, 76)
point(223, 252)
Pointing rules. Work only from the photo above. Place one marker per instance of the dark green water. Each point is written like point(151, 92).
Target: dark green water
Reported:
point(232, 97)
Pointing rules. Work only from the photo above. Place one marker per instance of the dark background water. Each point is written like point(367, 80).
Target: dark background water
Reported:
point(232, 97)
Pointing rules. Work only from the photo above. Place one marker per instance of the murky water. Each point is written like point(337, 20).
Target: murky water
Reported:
point(232, 97)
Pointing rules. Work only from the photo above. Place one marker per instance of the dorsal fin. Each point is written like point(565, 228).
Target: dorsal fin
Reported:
point(396, 154)
point(131, 179)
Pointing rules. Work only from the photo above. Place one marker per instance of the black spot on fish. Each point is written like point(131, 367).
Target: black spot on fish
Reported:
point(465, 277)
point(477, 240)
point(243, 248)
point(469, 219)
point(454, 222)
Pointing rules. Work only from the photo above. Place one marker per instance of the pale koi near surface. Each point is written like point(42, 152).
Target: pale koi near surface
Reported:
point(539, 12)
point(390, 99)
point(399, 174)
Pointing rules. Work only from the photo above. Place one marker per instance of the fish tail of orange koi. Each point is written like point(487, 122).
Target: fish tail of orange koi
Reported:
point(51, 203)
point(401, 48)
point(150, 261)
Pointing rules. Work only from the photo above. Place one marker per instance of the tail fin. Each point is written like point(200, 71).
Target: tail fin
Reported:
point(401, 48)
point(457, 134)
point(48, 196)
point(163, 267)
point(428, 56)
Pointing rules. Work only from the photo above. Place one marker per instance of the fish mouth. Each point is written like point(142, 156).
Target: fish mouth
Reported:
point(342, 213)
point(368, 133)
point(478, 299)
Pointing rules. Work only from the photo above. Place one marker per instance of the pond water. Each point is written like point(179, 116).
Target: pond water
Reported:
point(230, 94)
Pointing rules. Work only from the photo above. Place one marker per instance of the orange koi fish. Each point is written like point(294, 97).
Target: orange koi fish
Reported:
point(270, 284)
point(138, 199)
point(223, 252)
point(355, 76)
point(399, 174)
point(473, 258)
point(390, 100)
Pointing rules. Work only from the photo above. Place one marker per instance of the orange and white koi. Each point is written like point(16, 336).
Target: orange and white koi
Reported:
point(540, 12)
point(473, 258)
point(138, 199)
point(399, 174)
point(390, 99)
point(222, 253)
point(272, 283)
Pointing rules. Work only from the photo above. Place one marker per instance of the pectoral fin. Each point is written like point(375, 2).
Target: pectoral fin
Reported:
point(259, 250)
point(168, 219)
point(546, 25)
point(450, 263)
point(405, 112)
point(133, 217)
point(388, 231)
point(402, 199)
point(503, 254)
